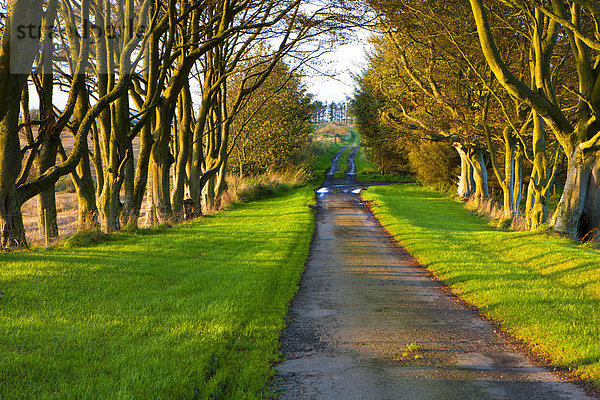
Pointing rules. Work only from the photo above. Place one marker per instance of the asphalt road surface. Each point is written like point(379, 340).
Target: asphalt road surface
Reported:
point(369, 323)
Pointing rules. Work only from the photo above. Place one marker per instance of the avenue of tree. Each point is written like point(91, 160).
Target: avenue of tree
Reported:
point(513, 86)
point(506, 86)
point(182, 77)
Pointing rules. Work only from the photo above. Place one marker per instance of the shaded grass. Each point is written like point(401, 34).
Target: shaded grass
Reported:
point(192, 312)
point(543, 289)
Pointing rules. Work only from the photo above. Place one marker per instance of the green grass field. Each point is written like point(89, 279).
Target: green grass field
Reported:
point(192, 311)
point(543, 289)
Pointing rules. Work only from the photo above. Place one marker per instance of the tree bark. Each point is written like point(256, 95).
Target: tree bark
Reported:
point(466, 183)
point(86, 195)
point(82, 177)
point(11, 221)
point(16, 59)
point(508, 188)
point(208, 195)
point(476, 158)
point(48, 215)
point(184, 137)
point(518, 182)
point(581, 176)
point(50, 137)
point(161, 160)
point(589, 223)
point(536, 211)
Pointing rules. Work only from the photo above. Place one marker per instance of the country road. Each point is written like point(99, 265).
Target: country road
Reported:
point(369, 323)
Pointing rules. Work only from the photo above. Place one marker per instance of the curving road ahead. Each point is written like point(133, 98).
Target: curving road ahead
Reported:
point(369, 323)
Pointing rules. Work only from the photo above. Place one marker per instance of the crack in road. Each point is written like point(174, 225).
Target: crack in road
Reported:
point(368, 323)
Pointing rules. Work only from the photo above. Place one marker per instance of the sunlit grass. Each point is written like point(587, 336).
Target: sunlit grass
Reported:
point(192, 312)
point(543, 289)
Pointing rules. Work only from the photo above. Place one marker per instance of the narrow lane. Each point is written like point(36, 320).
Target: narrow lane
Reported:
point(368, 324)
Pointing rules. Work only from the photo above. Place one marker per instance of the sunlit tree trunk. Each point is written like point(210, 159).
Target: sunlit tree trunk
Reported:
point(82, 177)
point(477, 159)
point(508, 187)
point(518, 183)
point(197, 162)
point(161, 160)
point(536, 211)
point(184, 136)
point(577, 212)
point(117, 157)
point(48, 151)
point(466, 183)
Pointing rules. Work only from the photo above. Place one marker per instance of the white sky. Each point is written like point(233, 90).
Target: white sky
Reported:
point(331, 82)
point(342, 63)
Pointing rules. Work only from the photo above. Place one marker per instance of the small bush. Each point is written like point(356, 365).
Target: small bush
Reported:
point(86, 238)
point(434, 164)
point(505, 223)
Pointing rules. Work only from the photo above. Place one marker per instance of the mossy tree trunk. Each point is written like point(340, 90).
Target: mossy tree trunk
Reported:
point(82, 176)
point(184, 144)
point(116, 147)
point(16, 59)
point(49, 134)
point(507, 180)
point(161, 160)
point(542, 177)
point(477, 159)
point(11, 221)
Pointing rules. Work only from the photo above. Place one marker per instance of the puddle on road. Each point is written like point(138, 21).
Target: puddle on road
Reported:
point(474, 361)
point(321, 313)
point(340, 189)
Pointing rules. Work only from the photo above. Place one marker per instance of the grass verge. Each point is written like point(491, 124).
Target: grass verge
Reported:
point(342, 164)
point(321, 163)
point(192, 312)
point(263, 186)
point(351, 138)
point(543, 289)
